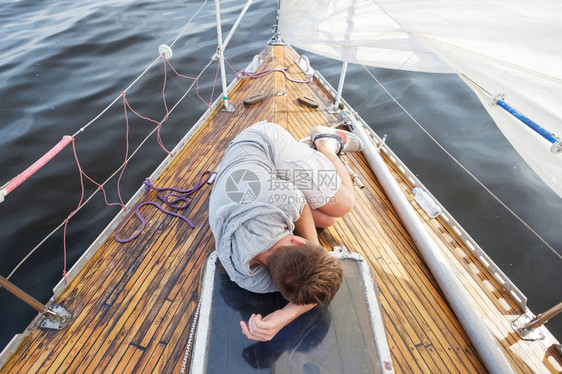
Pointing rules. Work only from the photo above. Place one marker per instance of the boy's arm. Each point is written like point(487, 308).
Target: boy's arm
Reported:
point(304, 226)
point(264, 329)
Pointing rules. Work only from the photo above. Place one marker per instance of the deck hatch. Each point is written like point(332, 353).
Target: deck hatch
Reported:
point(347, 336)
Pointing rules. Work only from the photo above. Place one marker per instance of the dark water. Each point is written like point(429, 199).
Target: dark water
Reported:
point(62, 62)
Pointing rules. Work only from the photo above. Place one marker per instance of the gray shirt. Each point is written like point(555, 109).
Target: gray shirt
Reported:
point(251, 208)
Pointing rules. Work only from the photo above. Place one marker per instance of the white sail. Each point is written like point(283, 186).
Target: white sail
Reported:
point(513, 47)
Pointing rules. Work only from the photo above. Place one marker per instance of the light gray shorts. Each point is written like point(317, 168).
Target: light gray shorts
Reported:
point(307, 169)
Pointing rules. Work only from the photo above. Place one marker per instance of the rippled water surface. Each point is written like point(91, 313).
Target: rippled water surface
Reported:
point(62, 62)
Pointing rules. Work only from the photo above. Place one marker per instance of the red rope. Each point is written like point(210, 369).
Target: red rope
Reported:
point(166, 61)
point(125, 162)
point(214, 85)
point(100, 186)
point(74, 211)
point(15, 182)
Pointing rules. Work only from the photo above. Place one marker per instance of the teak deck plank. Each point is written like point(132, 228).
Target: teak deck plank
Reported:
point(134, 303)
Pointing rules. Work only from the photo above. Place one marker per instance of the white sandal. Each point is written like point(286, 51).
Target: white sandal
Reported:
point(347, 141)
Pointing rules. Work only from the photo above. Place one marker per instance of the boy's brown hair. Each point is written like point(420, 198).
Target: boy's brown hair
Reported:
point(305, 274)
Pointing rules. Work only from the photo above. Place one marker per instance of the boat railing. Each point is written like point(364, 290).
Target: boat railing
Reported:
point(486, 346)
point(54, 315)
point(53, 311)
point(447, 219)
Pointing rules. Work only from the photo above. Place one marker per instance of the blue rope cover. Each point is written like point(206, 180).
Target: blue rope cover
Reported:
point(529, 122)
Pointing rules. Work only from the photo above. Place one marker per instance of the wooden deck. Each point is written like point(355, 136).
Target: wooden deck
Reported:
point(133, 303)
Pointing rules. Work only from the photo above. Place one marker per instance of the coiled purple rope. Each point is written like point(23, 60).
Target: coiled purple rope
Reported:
point(173, 199)
point(244, 74)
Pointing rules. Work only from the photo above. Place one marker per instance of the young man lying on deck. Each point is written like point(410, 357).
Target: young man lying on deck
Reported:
point(270, 194)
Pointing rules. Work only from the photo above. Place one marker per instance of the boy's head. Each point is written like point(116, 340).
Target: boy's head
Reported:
point(305, 274)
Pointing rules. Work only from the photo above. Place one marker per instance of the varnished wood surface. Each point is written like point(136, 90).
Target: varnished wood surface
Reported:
point(133, 304)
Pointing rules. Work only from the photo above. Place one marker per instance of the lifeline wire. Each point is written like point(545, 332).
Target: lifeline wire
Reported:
point(141, 75)
point(20, 178)
point(464, 168)
point(62, 224)
point(188, 22)
point(83, 204)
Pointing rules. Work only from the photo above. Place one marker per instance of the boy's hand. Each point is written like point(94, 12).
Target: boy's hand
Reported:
point(264, 329)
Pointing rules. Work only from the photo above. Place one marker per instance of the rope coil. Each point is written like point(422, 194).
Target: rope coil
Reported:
point(173, 199)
